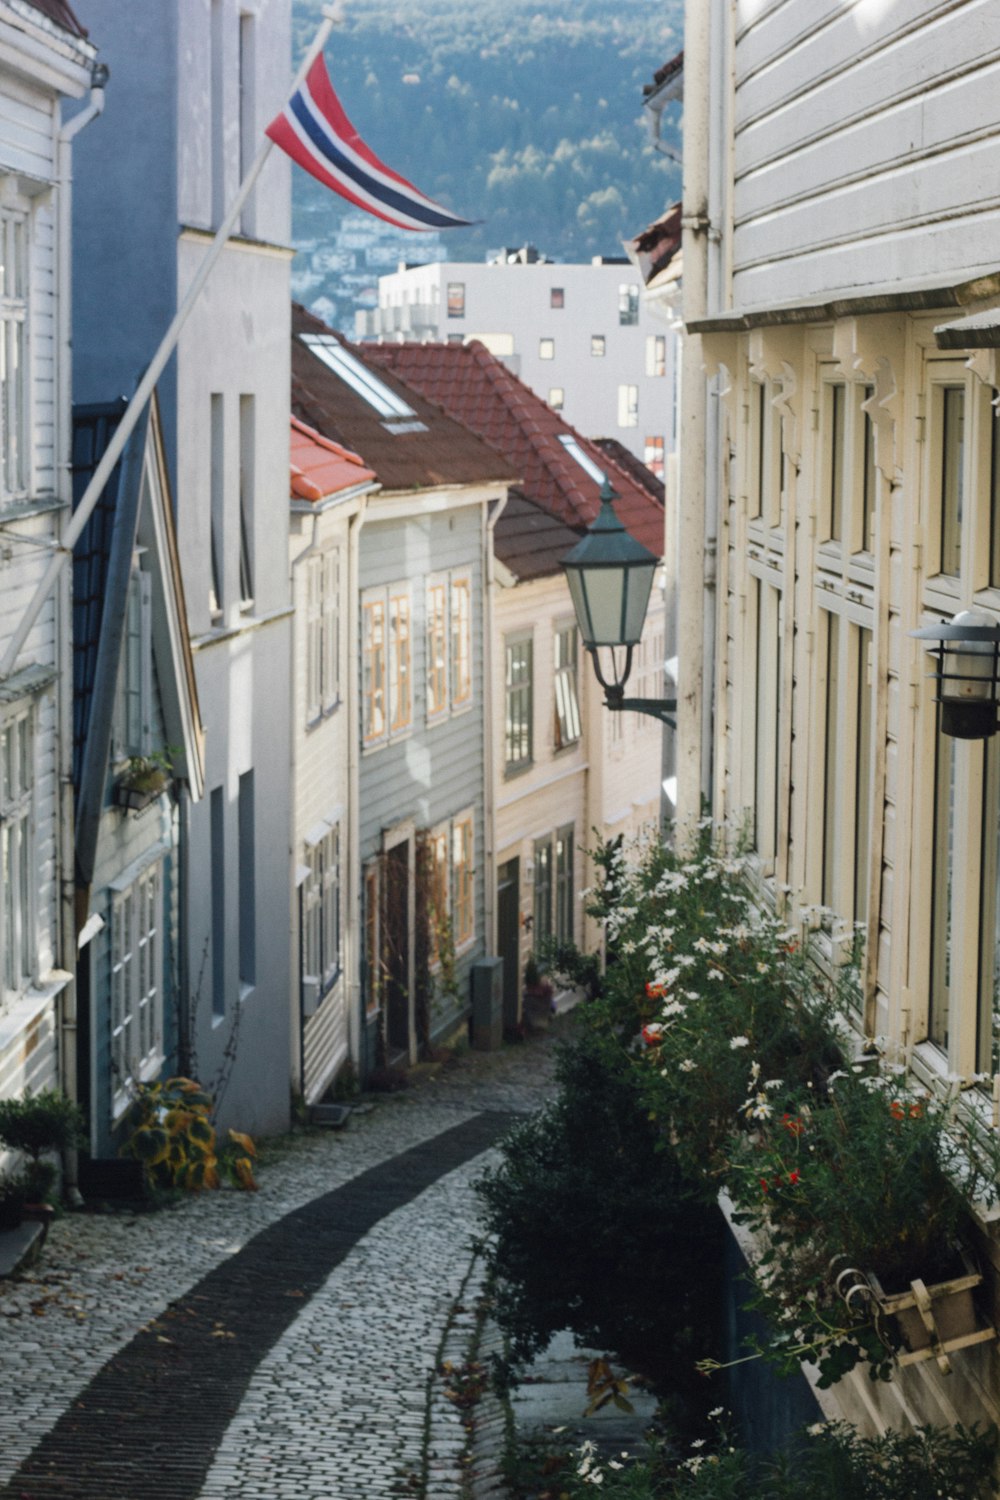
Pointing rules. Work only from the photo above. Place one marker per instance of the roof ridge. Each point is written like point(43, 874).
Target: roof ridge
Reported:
point(348, 454)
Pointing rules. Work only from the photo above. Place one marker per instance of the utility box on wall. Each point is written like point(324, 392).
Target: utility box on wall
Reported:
point(486, 980)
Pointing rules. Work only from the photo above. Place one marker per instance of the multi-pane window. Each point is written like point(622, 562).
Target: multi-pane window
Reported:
point(136, 980)
point(656, 354)
point(322, 634)
point(546, 348)
point(463, 874)
point(952, 485)
point(567, 704)
point(628, 406)
point(14, 384)
point(518, 694)
point(542, 905)
point(437, 647)
point(17, 782)
point(628, 303)
point(439, 892)
point(847, 768)
point(461, 640)
point(386, 662)
point(130, 733)
point(456, 299)
point(321, 909)
point(564, 885)
point(653, 455)
point(598, 345)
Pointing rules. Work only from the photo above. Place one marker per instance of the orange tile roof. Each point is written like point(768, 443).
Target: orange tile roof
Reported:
point(321, 467)
point(480, 391)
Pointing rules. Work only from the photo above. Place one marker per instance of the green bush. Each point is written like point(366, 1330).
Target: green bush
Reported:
point(35, 1125)
point(593, 1228)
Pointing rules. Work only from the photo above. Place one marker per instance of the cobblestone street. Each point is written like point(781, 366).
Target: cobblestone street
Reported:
point(275, 1344)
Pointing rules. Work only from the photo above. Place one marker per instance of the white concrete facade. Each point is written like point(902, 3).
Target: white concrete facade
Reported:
point(41, 66)
point(851, 453)
point(580, 336)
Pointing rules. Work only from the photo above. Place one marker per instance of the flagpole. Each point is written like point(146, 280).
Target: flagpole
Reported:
point(332, 15)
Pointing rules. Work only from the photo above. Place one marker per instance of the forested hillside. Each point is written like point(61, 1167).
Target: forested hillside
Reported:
point(524, 114)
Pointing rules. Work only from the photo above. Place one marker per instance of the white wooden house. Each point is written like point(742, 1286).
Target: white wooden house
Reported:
point(842, 289)
point(45, 63)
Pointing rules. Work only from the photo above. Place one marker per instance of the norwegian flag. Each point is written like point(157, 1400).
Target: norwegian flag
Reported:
point(315, 132)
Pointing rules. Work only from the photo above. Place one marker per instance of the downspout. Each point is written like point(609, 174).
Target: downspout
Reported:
point(297, 946)
point(692, 496)
point(354, 931)
point(63, 609)
point(490, 519)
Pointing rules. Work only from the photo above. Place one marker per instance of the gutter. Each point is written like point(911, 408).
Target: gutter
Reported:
point(68, 1062)
point(490, 519)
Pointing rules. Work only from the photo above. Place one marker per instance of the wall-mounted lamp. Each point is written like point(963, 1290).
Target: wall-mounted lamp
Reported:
point(968, 652)
point(610, 575)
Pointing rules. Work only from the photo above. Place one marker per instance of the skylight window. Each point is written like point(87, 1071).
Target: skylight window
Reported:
point(586, 464)
point(361, 380)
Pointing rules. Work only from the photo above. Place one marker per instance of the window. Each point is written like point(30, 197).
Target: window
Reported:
point(628, 406)
point(437, 647)
point(518, 716)
point(942, 890)
point(247, 881)
point(597, 346)
point(869, 479)
point(439, 892)
point(952, 477)
point(564, 885)
point(768, 722)
point(14, 384)
point(557, 296)
point(398, 415)
point(653, 456)
point(373, 966)
point(542, 913)
point(386, 661)
point(136, 983)
point(217, 832)
point(586, 463)
point(321, 916)
point(463, 873)
point(217, 503)
point(322, 634)
point(546, 348)
point(17, 785)
point(567, 706)
point(557, 397)
point(130, 732)
point(628, 304)
point(218, 112)
point(456, 299)
point(248, 112)
point(656, 354)
point(461, 640)
point(247, 466)
point(835, 402)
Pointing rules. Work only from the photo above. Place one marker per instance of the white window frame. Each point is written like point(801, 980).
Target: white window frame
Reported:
point(437, 635)
point(323, 575)
point(566, 725)
point(18, 911)
point(387, 686)
point(322, 907)
point(131, 732)
point(460, 640)
point(135, 961)
point(463, 867)
point(15, 345)
point(439, 878)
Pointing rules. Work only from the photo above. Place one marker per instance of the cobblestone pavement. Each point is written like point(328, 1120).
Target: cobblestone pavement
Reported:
point(332, 1393)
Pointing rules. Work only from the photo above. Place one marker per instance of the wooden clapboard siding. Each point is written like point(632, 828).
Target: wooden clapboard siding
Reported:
point(857, 130)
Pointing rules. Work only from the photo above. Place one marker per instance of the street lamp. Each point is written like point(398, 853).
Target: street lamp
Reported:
point(610, 575)
point(968, 651)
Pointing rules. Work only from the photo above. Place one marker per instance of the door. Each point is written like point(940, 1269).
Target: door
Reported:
point(509, 938)
point(396, 951)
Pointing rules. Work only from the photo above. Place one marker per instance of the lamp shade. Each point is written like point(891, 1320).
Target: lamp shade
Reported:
point(967, 648)
point(610, 576)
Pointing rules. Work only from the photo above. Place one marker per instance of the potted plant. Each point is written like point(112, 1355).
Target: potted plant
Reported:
point(38, 1125)
point(857, 1196)
point(143, 779)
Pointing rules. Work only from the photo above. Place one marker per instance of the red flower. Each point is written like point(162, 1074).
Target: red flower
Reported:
point(763, 1183)
point(793, 1124)
point(652, 1036)
point(916, 1110)
point(793, 1178)
point(896, 1110)
point(656, 991)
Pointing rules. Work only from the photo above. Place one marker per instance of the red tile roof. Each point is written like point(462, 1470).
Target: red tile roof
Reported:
point(664, 74)
point(480, 391)
point(321, 467)
point(655, 247)
point(62, 13)
point(441, 451)
point(530, 540)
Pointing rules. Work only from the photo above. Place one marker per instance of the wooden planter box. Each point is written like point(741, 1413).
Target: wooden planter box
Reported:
point(935, 1321)
point(134, 798)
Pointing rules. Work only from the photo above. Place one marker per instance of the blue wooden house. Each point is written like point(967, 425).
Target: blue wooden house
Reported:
point(137, 763)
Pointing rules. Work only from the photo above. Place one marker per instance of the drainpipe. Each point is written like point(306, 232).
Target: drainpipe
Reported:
point(490, 519)
point(298, 978)
point(353, 933)
point(63, 607)
point(691, 667)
